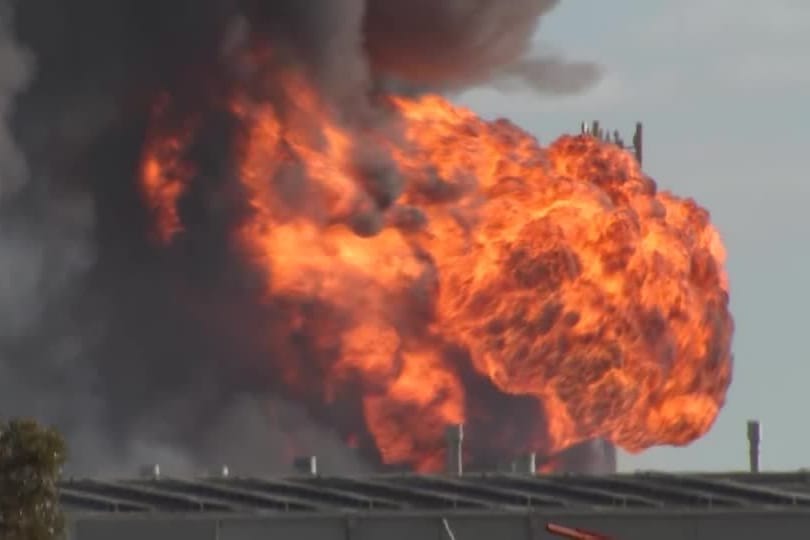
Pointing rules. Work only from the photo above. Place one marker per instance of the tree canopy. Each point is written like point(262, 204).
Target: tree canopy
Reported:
point(31, 459)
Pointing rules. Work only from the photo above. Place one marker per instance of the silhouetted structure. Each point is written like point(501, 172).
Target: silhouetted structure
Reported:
point(636, 146)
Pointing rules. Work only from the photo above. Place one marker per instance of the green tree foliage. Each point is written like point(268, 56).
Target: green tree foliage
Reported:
point(31, 459)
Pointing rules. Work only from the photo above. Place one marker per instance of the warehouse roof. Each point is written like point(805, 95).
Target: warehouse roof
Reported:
point(402, 492)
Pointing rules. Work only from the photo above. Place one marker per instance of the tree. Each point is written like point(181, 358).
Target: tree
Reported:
point(31, 459)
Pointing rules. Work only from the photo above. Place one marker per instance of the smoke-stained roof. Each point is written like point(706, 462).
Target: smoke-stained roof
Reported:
point(407, 492)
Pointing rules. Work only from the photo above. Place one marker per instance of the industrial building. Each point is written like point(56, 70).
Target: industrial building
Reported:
point(496, 506)
point(454, 505)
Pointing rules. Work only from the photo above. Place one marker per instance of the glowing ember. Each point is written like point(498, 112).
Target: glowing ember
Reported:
point(560, 277)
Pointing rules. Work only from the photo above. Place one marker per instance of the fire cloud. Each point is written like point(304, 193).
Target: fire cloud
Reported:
point(285, 224)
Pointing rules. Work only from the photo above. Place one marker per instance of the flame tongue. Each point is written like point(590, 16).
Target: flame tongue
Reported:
point(466, 274)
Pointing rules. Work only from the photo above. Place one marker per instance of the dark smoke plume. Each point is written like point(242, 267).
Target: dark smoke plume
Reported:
point(141, 355)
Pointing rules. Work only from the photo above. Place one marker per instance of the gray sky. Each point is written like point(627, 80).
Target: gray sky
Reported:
point(725, 98)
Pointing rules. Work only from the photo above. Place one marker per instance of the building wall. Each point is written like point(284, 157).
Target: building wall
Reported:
point(626, 526)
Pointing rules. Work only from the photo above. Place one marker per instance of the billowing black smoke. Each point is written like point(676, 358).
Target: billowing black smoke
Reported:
point(142, 354)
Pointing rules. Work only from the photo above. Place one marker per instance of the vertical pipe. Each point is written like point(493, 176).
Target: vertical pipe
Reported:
point(638, 143)
point(454, 436)
point(753, 445)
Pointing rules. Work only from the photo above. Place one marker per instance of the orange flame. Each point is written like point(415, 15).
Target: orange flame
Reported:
point(165, 172)
point(564, 273)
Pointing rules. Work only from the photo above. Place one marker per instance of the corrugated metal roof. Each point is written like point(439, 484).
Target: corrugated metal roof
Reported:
point(653, 491)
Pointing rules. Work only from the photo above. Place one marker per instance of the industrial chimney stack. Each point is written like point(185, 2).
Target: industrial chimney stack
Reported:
point(753, 445)
point(454, 436)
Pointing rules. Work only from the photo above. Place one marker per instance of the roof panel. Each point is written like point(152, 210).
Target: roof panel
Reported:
point(576, 494)
point(486, 490)
point(638, 491)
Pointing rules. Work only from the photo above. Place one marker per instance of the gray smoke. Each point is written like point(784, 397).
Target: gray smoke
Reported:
point(458, 43)
point(14, 77)
point(446, 45)
point(142, 355)
point(551, 75)
point(44, 248)
point(42, 242)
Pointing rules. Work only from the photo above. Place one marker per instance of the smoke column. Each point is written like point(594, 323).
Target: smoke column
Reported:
point(44, 248)
point(100, 333)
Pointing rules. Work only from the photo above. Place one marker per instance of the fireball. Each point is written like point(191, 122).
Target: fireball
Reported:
point(441, 268)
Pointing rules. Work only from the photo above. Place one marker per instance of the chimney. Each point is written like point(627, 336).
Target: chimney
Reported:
point(526, 464)
point(638, 143)
point(306, 465)
point(454, 436)
point(753, 445)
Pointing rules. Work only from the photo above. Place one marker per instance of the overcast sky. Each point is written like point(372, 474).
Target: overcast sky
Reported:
point(725, 98)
